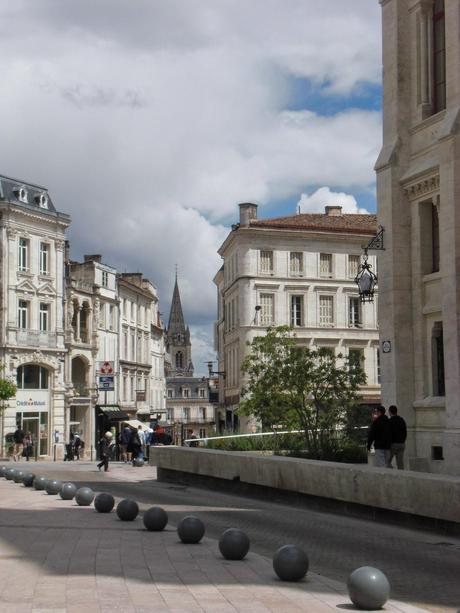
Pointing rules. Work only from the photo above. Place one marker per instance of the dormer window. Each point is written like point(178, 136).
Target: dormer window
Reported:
point(21, 194)
point(42, 200)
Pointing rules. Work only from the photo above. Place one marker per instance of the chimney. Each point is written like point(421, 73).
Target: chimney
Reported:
point(93, 258)
point(248, 211)
point(334, 211)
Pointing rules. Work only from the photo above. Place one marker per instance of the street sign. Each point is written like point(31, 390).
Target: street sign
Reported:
point(106, 368)
point(106, 383)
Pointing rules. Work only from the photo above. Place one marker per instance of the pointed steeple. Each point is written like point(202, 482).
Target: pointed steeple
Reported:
point(176, 324)
point(178, 338)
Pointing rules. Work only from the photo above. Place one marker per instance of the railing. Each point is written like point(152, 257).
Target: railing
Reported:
point(36, 338)
point(81, 389)
point(192, 420)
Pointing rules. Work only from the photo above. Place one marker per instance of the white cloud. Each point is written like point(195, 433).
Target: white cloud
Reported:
point(149, 125)
point(324, 196)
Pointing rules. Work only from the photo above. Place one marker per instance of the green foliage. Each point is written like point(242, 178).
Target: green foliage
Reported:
point(292, 386)
point(7, 388)
point(258, 443)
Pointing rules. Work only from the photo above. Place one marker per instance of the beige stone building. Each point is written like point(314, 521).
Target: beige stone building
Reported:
point(299, 271)
point(418, 188)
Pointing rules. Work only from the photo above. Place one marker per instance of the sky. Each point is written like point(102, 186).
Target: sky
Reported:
point(149, 120)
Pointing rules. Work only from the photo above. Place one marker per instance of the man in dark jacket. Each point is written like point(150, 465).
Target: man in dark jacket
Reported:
point(398, 437)
point(18, 438)
point(379, 434)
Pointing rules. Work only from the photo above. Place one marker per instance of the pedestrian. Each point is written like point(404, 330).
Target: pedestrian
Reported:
point(379, 434)
point(398, 437)
point(135, 445)
point(28, 445)
point(125, 439)
point(105, 451)
point(141, 435)
point(77, 445)
point(18, 439)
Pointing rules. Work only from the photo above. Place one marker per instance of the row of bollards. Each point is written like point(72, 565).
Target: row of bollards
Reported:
point(368, 587)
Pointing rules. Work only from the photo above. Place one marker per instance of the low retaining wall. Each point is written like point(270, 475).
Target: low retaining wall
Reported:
point(416, 494)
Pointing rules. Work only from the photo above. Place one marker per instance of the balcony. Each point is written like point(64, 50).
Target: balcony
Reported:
point(192, 420)
point(81, 390)
point(36, 338)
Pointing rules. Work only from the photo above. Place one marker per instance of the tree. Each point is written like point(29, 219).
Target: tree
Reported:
point(7, 390)
point(295, 387)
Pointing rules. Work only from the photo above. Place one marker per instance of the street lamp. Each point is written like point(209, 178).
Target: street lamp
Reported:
point(366, 280)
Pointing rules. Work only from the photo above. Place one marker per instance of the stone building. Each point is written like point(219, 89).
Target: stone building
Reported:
point(299, 271)
point(418, 190)
point(32, 344)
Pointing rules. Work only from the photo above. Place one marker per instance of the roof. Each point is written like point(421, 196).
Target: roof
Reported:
point(27, 195)
point(176, 316)
point(346, 223)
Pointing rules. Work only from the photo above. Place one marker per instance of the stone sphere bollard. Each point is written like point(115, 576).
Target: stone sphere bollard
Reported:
point(28, 479)
point(40, 483)
point(104, 503)
point(3, 470)
point(68, 491)
point(290, 563)
point(368, 588)
point(190, 530)
point(84, 496)
point(155, 519)
point(127, 509)
point(234, 544)
point(18, 476)
point(53, 487)
point(138, 462)
point(9, 474)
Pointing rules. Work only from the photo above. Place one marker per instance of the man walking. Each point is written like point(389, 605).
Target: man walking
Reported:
point(379, 434)
point(18, 438)
point(398, 437)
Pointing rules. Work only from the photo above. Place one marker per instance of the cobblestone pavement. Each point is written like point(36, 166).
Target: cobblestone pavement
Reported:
point(55, 554)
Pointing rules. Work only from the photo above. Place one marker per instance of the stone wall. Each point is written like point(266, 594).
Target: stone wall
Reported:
point(420, 494)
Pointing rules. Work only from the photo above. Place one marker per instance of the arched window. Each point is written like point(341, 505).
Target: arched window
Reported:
point(32, 377)
point(179, 360)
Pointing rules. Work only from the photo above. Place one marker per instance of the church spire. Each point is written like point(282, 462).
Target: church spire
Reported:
point(176, 324)
point(178, 338)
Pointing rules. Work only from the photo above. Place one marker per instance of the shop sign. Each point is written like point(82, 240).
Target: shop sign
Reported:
point(28, 400)
point(106, 383)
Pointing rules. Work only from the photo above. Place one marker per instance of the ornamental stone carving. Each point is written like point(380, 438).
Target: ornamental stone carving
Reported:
point(418, 190)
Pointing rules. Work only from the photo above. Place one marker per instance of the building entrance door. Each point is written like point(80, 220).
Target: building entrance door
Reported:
point(31, 424)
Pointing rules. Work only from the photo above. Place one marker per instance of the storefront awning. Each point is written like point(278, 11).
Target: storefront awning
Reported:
point(112, 412)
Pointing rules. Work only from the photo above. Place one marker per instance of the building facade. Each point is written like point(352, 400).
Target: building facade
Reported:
point(32, 341)
point(418, 190)
point(297, 271)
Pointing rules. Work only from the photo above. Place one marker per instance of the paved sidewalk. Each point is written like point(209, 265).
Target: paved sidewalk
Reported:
point(56, 556)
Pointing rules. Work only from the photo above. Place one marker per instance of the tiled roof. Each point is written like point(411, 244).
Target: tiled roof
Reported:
point(346, 223)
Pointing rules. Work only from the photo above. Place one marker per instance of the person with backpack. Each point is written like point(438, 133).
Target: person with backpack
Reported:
point(18, 439)
point(379, 435)
point(398, 437)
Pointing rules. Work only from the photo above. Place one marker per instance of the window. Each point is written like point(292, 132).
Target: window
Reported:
point(23, 254)
point(202, 393)
point(170, 414)
point(186, 393)
point(434, 239)
point(111, 317)
point(439, 57)
point(378, 366)
point(296, 263)
point(356, 359)
point(186, 413)
point(179, 359)
point(125, 388)
point(170, 393)
point(105, 278)
point(266, 311)
point(202, 433)
point(44, 258)
point(354, 312)
point(266, 261)
point(326, 310)
point(353, 265)
point(437, 358)
point(296, 310)
point(133, 391)
point(23, 312)
point(203, 413)
point(325, 265)
point(32, 377)
point(44, 316)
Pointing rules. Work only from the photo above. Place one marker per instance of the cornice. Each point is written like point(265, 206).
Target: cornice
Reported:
point(422, 187)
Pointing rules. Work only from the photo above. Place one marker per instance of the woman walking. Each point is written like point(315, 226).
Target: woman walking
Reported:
point(105, 450)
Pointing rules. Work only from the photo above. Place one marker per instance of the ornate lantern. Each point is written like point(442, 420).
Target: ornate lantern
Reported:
point(366, 280)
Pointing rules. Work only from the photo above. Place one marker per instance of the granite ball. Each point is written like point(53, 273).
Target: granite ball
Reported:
point(104, 503)
point(53, 487)
point(368, 588)
point(234, 544)
point(290, 563)
point(10, 474)
point(68, 491)
point(138, 462)
point(3, 470)
point(155, 519)
point(40, 483)
point(28, 479)
point(84, 496)
point(190, 529)
point(127, 509)
point(18, 476)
